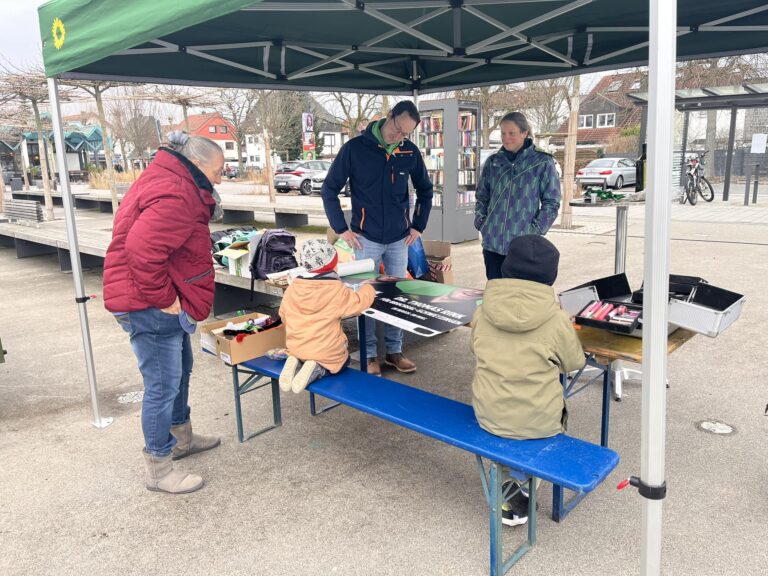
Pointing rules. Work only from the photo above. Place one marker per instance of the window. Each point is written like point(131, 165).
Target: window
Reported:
point(222, 129)
point(586, 121)
point(635, 85)
point(229, 145)
point(212, 129)
point(614, 86)
point(329, 139)
point(606, 120)
point(250, 139)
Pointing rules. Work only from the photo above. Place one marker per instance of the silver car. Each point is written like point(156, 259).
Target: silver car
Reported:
point(319, 178)
point(298, 175)
point(608, 172)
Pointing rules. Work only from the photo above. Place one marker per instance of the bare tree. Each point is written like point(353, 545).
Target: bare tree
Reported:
point(566, 220)
point(133, 123)
point(545, 101)
point(13, 122)
point(275, 116)
point(96, 89)
point(29, 85)
point(184, 96)
point(495, 101)
point(352, 111)
point(237, 105)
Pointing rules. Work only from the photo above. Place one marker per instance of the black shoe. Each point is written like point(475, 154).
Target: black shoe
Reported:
point(514, 511)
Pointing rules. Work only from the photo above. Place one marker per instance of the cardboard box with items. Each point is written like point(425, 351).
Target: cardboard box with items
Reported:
point(242, 338)
point(439, 261)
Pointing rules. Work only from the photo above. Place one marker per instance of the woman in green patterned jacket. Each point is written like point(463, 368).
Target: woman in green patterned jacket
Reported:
point(518, 193)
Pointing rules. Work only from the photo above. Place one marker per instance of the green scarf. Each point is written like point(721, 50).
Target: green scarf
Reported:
point(377, 133)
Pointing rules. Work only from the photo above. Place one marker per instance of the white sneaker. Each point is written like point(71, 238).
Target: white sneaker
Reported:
point(289, 371)
point(310, 372)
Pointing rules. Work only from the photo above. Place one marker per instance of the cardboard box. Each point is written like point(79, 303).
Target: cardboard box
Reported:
point(441, 270)
point(436, 249)
point(233, 352)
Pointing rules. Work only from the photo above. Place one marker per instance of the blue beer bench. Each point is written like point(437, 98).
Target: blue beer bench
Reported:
point(566, 462)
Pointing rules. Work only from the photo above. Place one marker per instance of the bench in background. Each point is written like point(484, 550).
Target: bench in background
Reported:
point(29, 210)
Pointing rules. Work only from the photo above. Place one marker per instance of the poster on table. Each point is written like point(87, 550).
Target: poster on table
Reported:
point(424, 308)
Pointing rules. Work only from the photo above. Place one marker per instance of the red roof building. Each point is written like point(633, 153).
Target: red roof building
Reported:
point(606, 110)
point(214, 126)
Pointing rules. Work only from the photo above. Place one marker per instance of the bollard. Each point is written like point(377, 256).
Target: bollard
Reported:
point(747, 177)
point(756, 184)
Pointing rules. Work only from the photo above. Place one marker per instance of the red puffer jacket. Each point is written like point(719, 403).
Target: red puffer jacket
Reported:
point(161, 244)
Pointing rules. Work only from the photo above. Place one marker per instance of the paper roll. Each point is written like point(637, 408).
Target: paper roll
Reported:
point(355, 267)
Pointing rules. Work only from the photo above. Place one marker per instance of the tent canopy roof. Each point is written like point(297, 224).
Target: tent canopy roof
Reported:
point(393, 47)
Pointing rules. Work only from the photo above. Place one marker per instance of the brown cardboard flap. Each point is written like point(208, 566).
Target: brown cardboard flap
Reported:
point(436, 248)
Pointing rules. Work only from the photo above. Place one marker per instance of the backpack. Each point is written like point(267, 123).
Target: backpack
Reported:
point(274, 253)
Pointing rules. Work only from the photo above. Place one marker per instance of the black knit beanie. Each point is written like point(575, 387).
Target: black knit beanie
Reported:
point(533, 258)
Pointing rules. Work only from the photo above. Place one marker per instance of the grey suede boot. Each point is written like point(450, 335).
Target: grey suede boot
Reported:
point(188, 443)
point(161, 477)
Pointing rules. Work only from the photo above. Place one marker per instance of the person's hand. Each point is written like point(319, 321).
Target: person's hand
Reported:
point(351, 239)
point(174, 308)
point(412, 237)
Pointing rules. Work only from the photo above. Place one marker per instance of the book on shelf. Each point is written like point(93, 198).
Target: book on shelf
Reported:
point(467, 121)
point(466, 177)
point(432, 123)
point(467, 160)
point(467, 139)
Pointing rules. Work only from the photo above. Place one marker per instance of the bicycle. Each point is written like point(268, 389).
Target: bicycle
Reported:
point(696, 184)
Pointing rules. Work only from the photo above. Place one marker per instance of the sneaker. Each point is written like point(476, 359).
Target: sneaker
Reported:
point(288, 372)
point(310, 372)
point(400, 363)
point(514, 511)
point(373, 367)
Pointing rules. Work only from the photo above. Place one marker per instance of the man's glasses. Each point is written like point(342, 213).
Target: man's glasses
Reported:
point(398, 131)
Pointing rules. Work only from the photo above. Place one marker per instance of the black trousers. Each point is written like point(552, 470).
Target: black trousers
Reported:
point(493, 262)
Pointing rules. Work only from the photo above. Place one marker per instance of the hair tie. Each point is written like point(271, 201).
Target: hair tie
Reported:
point(178, 138)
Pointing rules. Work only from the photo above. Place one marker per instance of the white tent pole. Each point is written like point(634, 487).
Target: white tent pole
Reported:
point(662, 54)
point(74, 251)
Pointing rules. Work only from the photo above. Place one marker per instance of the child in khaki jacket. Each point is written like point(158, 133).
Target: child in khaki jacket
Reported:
point(523, 341)
point(312, 310)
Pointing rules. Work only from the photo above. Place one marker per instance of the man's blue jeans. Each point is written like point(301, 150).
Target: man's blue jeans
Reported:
point(395, 258)
point(164, 354)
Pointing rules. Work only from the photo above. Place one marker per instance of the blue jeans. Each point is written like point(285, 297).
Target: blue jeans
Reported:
point(164, 354)
point(395, 258)
point(493, 262)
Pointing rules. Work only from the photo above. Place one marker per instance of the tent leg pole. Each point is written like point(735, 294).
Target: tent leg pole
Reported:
point(74, 252)
point(662, 53)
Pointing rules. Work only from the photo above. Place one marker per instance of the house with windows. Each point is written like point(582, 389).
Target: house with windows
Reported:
point(606, 110)
point(214, 126)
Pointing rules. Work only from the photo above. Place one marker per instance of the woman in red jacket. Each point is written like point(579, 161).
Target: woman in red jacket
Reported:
point(158, 282)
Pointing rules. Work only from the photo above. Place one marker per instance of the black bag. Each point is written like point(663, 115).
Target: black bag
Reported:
point(274, 253)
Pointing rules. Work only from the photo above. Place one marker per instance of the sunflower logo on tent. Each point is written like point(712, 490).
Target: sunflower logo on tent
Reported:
point(59, 32)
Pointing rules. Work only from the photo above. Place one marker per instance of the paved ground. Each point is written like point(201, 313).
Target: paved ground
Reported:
point(346, 494)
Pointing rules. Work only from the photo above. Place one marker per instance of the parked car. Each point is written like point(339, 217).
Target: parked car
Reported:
point(613, 172)
point(319, 178)
point(298, 175)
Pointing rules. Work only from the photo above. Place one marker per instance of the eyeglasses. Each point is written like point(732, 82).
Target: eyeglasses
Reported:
point(398, 131)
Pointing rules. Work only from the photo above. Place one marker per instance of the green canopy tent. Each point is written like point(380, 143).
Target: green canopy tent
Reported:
point(411, 47)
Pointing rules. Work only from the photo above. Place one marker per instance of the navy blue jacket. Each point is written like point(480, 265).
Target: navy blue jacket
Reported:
point(378, 184)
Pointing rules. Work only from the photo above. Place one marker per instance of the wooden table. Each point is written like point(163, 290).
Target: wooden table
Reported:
point(602, 348)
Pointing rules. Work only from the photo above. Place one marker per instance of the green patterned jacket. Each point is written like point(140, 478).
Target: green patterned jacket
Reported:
point(516, 198)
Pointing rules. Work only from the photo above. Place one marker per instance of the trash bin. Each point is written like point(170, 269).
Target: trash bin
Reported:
point(16, 185)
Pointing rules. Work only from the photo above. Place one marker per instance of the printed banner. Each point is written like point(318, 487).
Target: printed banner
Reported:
point(424, 308)
point(307, 122)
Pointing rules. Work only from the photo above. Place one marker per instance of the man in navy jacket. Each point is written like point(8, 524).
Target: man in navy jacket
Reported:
point(378, 164)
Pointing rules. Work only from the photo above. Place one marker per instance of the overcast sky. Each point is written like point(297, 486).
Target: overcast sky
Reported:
point(19, 32)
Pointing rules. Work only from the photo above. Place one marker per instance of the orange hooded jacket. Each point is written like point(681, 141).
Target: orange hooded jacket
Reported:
point(312, 310)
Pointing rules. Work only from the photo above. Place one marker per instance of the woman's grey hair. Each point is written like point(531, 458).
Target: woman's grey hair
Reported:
point(195, 148)
point(520, 121)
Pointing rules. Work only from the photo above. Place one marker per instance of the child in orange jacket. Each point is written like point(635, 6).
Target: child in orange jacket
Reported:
point(312, 310)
